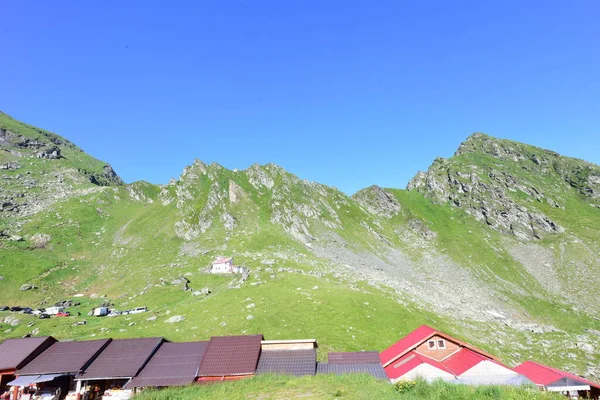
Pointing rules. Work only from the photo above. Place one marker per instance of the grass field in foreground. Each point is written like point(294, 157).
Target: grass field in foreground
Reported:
point(342, 387)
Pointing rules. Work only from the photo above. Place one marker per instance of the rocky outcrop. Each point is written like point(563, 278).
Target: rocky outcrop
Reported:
point(52, 153)
point(502, 195)
point(378, 201)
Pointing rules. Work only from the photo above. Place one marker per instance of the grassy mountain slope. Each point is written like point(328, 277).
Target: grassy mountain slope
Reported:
point(354, 272)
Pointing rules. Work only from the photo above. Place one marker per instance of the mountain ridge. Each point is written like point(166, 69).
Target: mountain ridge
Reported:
point(496, 249)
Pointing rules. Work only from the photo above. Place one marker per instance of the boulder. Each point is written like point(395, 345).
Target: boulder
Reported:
point(174, 319)
point(26, 286)
point(40, 240)
point(52, 153)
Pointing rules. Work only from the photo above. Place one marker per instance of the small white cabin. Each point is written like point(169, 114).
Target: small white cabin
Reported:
point(224, 265)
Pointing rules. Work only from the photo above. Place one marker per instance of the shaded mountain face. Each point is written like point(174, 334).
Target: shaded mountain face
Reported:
point(41, 167)
point(498, 245)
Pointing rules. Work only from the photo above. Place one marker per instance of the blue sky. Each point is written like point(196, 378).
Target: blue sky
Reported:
point(341, 92)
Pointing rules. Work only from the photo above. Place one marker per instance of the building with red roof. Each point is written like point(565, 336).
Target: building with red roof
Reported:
point(430, 354)
point(555, 380)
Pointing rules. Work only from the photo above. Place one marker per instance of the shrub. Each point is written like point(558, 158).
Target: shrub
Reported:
point(405, 386)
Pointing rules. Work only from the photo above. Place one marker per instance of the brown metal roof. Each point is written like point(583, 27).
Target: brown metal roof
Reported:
point(291, 362)
point(174, 364)
point(15, 353)
point(65, 358)
point(231, 355)
point(368, 357)
point(122, 358)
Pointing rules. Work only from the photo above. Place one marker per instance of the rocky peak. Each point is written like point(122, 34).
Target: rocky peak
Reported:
point(378, 201)
point(488, 191)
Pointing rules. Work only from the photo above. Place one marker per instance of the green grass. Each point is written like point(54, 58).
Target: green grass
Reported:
point(107, 243)
point(341, 387)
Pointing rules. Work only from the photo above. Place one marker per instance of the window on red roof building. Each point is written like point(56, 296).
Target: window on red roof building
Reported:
point(431, 344)
point(441, 344)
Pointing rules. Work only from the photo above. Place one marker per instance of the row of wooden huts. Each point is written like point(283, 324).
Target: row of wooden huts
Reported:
point(87, 370)
point(117, 368)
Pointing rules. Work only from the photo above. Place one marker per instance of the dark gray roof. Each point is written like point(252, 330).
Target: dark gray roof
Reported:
point(16, 353)
point(122, 358)
point(360, 357)
point(174, 364)
point(65, 358)
point(231, 355)
point(375, 370)
point(291, 362)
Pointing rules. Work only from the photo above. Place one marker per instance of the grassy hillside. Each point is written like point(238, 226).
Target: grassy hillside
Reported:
point(343, 387)
point(356, 273)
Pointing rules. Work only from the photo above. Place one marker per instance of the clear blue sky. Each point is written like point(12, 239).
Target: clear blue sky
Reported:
point(341, 92)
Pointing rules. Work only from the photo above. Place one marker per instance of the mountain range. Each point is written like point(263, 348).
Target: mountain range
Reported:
point(497, 245)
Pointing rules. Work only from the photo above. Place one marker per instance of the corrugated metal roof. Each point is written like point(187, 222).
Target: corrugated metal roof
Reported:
point(291, 362)
point(65, 358)
point(410, 361)
point(122, 358)
point(231, 355)
point(15, 353)
point(174, 364)
point(366, 357)
point(375, 370)
point(463, 360)
point(409, 341)
point(418, 336)
point(544, 375)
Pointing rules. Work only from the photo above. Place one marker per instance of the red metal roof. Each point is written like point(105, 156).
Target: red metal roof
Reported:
point(463, 360)
point(231, 356)
point(410, 361)
point(16, 353)
point(418, 336)
point(122, 358)
point(413, 339)
point(65, 358)
point(368, 357)
point(544, 375)
point(174, 364)
point(220, 260)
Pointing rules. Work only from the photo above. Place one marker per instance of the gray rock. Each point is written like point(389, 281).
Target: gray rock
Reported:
point(152, 318)
point(40, 240)
point(52, 153)
point(175, 319)
point(378, 201)
point(26, 286)
point(250, 317)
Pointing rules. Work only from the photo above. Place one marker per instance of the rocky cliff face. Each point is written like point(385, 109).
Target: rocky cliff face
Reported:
point(508, 185)
point(40, 167)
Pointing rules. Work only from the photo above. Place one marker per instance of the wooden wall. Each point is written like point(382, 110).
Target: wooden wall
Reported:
point(436, 353)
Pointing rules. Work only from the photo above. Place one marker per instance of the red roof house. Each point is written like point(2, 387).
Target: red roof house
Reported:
point(431, 354)
point(555, 380)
